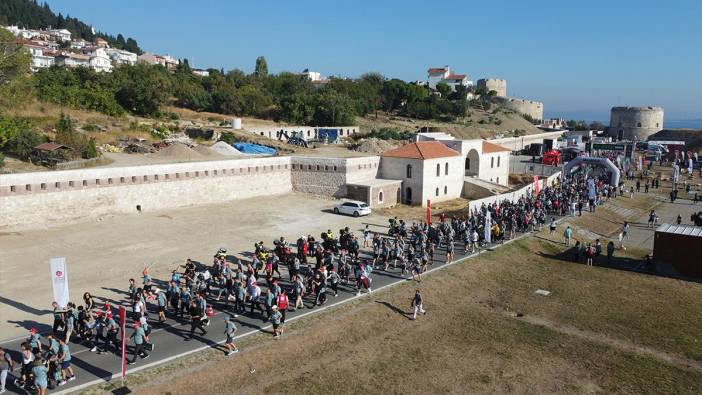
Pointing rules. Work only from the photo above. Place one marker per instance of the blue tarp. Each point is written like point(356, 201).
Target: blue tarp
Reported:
point(248, 148)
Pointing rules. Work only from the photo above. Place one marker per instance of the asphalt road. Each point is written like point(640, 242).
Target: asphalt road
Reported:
point(169, 338)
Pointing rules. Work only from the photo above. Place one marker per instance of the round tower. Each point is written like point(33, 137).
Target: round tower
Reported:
point(635, 123)
point(494, 84)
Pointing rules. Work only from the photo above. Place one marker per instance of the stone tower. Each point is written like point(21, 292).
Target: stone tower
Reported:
point(634, 123)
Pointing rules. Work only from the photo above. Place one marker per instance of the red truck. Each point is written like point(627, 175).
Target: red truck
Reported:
point(552, 157)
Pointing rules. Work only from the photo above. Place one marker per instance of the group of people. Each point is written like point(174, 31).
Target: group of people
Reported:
point(317, 268)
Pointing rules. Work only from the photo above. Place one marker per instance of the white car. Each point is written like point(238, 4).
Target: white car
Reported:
point(354, 208)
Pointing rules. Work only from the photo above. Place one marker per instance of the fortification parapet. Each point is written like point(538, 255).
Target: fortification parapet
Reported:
point(534, 109)
point(635, 123)
point(494, 84)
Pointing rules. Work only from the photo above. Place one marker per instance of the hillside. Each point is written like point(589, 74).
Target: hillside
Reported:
point(493, 122)
point(32, 15)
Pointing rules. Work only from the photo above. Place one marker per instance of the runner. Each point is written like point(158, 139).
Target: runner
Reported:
point(229, 330)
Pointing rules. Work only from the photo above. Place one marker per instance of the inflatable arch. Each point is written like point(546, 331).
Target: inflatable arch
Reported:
point(602, 162)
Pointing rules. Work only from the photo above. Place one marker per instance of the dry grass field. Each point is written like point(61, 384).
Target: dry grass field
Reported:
point(486, 331)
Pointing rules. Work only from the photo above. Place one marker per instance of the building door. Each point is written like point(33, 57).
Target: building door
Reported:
point(408, 196)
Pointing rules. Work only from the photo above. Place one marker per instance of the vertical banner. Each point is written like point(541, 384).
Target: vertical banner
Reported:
point(488, 227)
point(123, 327)
point(59, 280)
point(537, 184)
point(428, 212)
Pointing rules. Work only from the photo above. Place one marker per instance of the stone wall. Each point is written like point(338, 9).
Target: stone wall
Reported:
point(629, 123)
point(531, 108)
point(494, 84)
point(31, 200)
point(329, 176)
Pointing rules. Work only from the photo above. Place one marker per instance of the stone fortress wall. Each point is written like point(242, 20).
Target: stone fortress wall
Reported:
point(635, 123)
point(534, 109)
point(40, 199)
point(494, 84)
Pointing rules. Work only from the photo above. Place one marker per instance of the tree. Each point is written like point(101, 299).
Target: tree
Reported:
point(444, 89)
point(333, 109)
point(597, 125)
point(261, 67)
point(14, 60)
point(24, 142)
point(142, 88)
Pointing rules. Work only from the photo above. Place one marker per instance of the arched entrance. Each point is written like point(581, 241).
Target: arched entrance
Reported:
point(408, 196)
point(594, 161)
point(472, 163)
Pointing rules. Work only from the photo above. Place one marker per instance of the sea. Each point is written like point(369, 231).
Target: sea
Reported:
point(683, 124)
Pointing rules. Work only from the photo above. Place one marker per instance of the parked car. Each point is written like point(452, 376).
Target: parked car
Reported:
point(354, 208)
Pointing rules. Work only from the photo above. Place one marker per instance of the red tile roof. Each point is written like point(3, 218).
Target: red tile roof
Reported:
point(438, 70)
point(421, 150)
point(456, 77)
point(489, 148)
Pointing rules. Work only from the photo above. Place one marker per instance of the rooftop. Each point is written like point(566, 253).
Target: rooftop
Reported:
point(421, 150)
point(489, 148)
point(687, 230)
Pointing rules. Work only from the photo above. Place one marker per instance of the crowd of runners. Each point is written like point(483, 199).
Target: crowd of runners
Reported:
point(315, 269)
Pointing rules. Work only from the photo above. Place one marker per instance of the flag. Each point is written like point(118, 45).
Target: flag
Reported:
point(123, 325)
point(488, 227)
point(59, 280)
point(536, 184)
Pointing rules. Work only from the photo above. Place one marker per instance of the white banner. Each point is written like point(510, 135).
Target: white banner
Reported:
point(59, 280)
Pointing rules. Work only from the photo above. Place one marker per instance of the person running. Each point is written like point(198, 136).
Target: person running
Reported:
point(65, 359)
point(229, 330)
point(6, 365)
point(417, 304)
point(276, 317)
point(139, 337)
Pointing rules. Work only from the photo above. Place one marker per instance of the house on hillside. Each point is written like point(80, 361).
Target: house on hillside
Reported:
point(201, 72)
point(120, 56)
point(443, 75)
point(427, 169)
point(70, 59)
point(98, 58)
point(59, 34)
point(42, 56)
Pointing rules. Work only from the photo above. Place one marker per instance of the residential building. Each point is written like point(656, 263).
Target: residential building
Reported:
point(59, 34)
point(101, 42)
point(120, 56)
point(42, 56)
point(201, 73)
point(79, 43)
point(312, 75)
point(150, 58)
point(443, 75)
point(99, 60)
point(428, 170)
point(70, 59)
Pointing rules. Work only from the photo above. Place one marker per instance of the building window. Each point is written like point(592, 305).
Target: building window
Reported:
point(70, 184)
point(497, 180)
point(109, 180)
point(438, 170)
point(334, 168)
point(146, 178)
point(498, 161)
point(12, 188)
point(43, 186)
point(57, 185)
point(638, 124)
point(380, 196)
point(445, 189)
point(28, 187)
point(168, 176)
point(121, 180)
point(492, 162)
point(97, 182)
point(437, 191)
point(446, 169)
point(85, 183)
point(409, 171)
point(309, 167)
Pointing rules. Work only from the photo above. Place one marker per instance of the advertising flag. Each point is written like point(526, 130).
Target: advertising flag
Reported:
point(59, 280)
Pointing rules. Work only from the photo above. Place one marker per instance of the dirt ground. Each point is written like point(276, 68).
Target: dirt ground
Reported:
point(103, 255)
point(485, 331)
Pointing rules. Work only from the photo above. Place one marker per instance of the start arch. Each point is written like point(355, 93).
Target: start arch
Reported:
point(602, 162)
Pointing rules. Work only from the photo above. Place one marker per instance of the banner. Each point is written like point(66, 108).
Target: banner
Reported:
point(428, 212)
point(59, 280)
point(123, 330)
point(488, 227)
point(537, 184)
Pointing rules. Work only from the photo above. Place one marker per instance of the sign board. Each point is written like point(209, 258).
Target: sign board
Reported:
point(668, 142)
point(59, 280)
point(628, 149)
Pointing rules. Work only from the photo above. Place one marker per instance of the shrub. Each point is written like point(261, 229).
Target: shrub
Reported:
point(2, 160)
point(24, 142)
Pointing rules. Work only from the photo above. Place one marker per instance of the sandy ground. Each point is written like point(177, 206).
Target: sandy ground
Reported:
point(103, 255)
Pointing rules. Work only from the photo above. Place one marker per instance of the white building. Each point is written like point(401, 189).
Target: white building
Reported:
point(26, 34)
point(443, 75)
point(120, 56)
point(483, 160)
point(99, 60)
point(70, 59)
point(312, 75)
point(201, 73)
point(79, 43)
point(40, 56)
point(428, 170)
point(60, 34)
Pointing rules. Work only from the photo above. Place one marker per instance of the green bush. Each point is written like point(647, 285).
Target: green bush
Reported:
point(24, 142)
point(2, 160)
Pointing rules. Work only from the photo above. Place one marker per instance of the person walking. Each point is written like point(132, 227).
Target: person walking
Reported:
point(567, 234)
point(196, 319)
point(229, 330)
point(417, 304)
point(590, 254)
point(162, 303)
point(625, 230)
point(65, 359)
point(6, 365)
point(139, 337)
point(41, 380)
point(610, 251)
point(276, 317)
point(552, 226)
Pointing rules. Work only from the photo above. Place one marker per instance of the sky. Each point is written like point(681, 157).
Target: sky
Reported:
point(578, 57)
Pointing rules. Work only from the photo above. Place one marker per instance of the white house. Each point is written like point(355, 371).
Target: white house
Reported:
point(437, 75)
point(40, 56)
point(201, 73)
point(70, 59)
point(99, 60)
point(79, 43)
point(150, 58)
point(26, 34)
point(60, 34)
point(120, 56)
point(483, 160)
point(312, 75)
point(428, 170)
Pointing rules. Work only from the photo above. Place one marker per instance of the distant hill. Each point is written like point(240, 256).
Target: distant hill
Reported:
point(32, 15)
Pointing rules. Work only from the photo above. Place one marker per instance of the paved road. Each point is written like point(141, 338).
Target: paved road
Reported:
point(92, 368)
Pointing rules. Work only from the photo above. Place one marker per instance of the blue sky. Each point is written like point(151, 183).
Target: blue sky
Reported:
point(578, 57)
